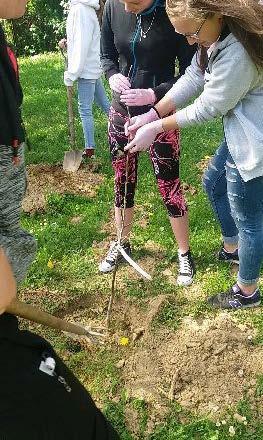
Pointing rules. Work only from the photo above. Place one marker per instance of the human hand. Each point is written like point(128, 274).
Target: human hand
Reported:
point(136, 122)
point(67, 81)
point(145, 137)
point(119, 83)
point(137, 97)
point(62, 44)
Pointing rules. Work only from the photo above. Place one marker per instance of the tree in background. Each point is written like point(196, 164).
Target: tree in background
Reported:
point(41, 27)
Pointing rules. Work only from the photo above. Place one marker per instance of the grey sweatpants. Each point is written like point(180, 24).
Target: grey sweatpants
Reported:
point(19, 245)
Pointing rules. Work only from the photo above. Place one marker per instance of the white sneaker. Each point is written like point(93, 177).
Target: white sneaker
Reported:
point(186, 269)
point(113, 257)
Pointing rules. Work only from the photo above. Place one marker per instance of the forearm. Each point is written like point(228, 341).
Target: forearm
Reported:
point(7, 282)
point(170, 123)
point(165, 106)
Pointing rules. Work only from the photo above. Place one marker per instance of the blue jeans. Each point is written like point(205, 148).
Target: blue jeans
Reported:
point(88, 91)
point(238, 205)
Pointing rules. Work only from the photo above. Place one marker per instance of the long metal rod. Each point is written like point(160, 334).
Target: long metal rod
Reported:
point(123, 211)
point(120, 238)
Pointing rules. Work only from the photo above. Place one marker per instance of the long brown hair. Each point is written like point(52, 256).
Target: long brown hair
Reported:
point(243, 17)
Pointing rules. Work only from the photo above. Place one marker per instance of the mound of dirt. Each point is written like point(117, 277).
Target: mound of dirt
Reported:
point(44, 179)
point(206, 367)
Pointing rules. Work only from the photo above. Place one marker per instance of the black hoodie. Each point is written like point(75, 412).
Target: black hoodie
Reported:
point(11, 131)
point(149, 61)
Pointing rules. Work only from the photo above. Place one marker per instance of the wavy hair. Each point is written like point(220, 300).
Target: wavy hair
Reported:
point(243, 17)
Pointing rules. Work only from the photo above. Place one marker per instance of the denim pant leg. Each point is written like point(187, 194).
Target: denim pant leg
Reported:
point(101, 98)
point(246, 202)
point(86, 92)
point(215, 185)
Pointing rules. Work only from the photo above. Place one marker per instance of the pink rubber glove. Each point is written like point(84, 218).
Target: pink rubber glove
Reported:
point(136, 97)
point(119, 83)
point(131, 127)
point(145, 137)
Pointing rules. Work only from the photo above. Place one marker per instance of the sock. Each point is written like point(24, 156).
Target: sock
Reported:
point(227, 252)
point(89, 152)
point(237, 289)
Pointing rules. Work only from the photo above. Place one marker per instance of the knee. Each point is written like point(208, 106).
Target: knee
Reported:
point(208, 183)
point(214, 181)
point(85, 110)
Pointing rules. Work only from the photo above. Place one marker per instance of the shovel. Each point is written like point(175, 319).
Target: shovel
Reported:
point(72, 158)
point(32, 313)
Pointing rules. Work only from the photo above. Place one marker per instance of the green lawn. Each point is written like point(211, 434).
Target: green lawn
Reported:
point(72, 247)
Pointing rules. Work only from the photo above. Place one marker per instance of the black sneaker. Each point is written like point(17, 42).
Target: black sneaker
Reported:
point(234, 299)
point(113, 257)
point(186, 269)
point(231, 257)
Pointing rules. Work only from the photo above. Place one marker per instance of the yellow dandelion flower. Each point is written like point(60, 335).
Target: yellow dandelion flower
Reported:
point(124, 341)
point(50, 264)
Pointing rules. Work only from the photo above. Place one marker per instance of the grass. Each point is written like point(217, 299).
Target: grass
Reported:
point(69, 247)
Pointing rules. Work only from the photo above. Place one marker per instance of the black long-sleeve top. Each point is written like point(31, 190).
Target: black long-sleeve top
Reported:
point(148, 59)
point(11, 130)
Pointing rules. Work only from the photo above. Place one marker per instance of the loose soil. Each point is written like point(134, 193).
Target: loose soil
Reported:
point(206, 365)
point(44, 179)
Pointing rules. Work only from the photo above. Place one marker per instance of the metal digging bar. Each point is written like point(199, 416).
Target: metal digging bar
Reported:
point(119, 246)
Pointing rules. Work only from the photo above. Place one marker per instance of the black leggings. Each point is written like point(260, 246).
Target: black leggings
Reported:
point(164, 155)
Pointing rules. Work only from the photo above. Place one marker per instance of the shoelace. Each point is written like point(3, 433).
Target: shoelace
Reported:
point(184, 265)
point(113, 252)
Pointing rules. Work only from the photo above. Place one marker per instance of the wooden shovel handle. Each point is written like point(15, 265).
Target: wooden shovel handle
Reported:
point(72, 137)
point(32, 313)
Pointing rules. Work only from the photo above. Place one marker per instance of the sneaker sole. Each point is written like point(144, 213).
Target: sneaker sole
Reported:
point(186, 284)
point(111, 269)
point(222, 260)
point(106, 271)
point(248, 306)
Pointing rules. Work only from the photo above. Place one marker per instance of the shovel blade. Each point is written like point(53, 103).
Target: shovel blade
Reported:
point(72, 160)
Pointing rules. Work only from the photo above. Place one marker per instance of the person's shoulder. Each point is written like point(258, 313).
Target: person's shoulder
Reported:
point(231, 55)
point(84, 9)
point(114, 9)
point(231, 48)
point(114, 5)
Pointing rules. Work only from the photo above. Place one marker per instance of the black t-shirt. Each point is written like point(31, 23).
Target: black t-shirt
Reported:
point(37, 406)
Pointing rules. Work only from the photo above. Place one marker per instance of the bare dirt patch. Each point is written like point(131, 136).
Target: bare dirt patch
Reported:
point(207, 365)
point(44, 179)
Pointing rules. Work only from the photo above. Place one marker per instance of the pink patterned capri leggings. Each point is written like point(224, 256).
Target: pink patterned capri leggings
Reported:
point(164, 154)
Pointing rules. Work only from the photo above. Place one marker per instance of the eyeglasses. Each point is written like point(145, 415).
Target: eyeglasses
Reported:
point(195, 35)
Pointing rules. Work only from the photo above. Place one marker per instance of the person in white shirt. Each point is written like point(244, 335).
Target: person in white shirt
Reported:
point(83, 47)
